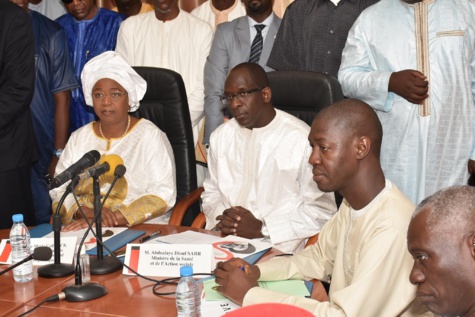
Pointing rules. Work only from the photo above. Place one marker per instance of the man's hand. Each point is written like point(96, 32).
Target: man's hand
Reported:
point(239, 221)
point(228, 221)
point(235, 278)
point(409, 84)
point(249, 269)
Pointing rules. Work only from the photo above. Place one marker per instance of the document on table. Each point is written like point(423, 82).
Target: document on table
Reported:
point(223, 248)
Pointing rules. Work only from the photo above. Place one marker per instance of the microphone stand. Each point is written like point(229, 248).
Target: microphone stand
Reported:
point(101, 265)
point(80, 292)
point(83, 292)
point(58, 269)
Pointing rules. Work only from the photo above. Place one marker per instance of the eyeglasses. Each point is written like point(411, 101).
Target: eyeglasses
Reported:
point(115, 95)
point(228, 99)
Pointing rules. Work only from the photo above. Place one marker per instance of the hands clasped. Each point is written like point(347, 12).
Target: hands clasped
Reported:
point(239, 221)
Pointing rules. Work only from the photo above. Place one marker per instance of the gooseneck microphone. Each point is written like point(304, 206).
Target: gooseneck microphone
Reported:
point(39, 254)
point(119, 171)
point(80, 292)
point(104, 265)
point(95, 171)
point(88, 160)
point(107, 166)
point(58, 269)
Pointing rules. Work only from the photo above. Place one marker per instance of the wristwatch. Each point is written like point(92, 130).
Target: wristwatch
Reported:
point(58, 152)
point(264, 230)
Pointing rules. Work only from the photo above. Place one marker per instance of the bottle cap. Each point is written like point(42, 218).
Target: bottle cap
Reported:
point(17, 218)
point(186, 270)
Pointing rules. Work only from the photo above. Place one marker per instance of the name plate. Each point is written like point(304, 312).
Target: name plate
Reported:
point(166, 259)
point(68, 246)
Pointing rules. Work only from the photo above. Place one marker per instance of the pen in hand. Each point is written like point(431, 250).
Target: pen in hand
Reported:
point(244, 268)
point(149, 236)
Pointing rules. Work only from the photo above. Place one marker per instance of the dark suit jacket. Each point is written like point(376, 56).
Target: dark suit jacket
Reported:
point(17, 77)
point(231, 46)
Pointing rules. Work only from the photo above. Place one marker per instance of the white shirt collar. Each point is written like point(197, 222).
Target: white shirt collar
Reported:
point(267, 22)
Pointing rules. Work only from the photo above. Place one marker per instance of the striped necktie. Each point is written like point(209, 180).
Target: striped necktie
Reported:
point(256, 47)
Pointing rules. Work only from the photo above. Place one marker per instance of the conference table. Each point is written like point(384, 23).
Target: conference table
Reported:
point(127, 295)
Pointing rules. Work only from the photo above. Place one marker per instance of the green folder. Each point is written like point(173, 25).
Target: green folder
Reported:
point(290, 287)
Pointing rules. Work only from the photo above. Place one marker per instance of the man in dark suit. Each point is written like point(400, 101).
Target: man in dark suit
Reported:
point(17, 82)
point(231, 46)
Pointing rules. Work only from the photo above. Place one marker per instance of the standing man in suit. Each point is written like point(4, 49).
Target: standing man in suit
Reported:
point(231, 46)
point(17, 84)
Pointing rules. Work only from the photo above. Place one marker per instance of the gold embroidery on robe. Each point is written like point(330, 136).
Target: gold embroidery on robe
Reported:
point(421, 16)
point(141, 209)
point(450, 33)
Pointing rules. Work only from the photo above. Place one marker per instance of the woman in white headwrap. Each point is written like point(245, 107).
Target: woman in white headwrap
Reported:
point(148, 188)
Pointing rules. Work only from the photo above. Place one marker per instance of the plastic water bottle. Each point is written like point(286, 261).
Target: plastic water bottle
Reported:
point(188, 297)
point(20, 244)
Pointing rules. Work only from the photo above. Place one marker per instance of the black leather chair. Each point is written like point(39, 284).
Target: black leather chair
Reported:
point(303, 93)
point(165, 104)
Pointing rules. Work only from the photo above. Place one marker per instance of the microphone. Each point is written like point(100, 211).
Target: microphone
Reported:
point(107, 164)
point(88, 160)
point(120, 171)
point(39, 254)
point(79, 292)
point(101, 264)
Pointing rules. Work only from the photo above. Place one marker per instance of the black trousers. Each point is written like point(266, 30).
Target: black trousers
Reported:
point(16, 197)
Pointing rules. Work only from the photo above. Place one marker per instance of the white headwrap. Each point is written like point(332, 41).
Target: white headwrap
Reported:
point(111, 65)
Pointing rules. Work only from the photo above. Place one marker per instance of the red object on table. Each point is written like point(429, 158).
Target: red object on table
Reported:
point(270, 310)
